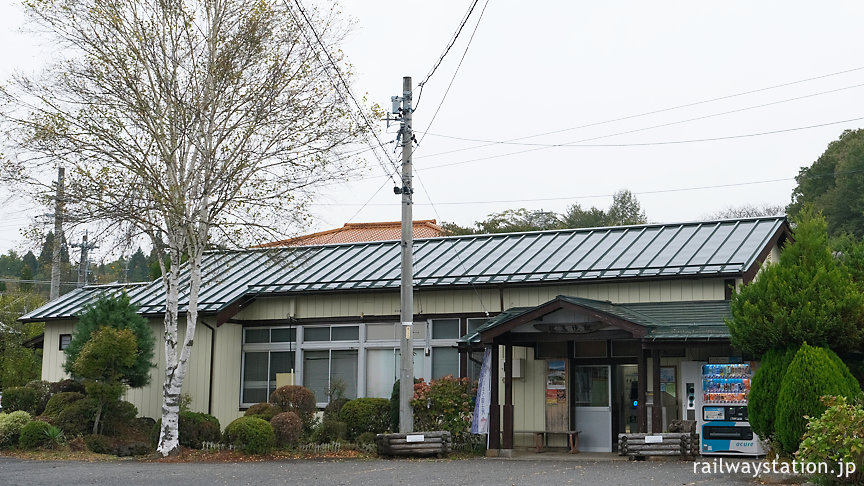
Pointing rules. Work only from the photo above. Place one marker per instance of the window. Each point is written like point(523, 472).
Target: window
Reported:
point(445, 361)
point(65, 339)
point(259, 373)
point(445, 329)
point(321, 369)
point(266, 353)
point(335, 333)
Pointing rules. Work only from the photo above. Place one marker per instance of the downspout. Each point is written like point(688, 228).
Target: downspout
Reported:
point(212, 355)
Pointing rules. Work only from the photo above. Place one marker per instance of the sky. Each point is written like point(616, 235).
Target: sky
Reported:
point(692, 106)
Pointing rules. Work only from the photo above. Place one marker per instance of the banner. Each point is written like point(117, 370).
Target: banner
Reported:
point(480, 423)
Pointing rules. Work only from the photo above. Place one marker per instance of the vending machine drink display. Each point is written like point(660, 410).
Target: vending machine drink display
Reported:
point(722, 422)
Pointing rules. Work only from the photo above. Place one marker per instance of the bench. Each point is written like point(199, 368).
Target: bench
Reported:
point(541, 438)
point(639, 446)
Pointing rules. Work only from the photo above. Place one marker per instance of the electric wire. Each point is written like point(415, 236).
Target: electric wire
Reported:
point(644, 114)
point(636, 130)
point(452, 241)
point(595, 196)
point(446, 50)
point(450, 85)
point(346, 88)
point(673, 142)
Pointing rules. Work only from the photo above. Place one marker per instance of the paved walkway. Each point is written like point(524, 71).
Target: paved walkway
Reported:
point(525, 469)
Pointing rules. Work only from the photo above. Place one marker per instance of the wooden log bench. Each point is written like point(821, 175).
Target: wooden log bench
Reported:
point(437, 443)
point(541, 438)
point(639, 446)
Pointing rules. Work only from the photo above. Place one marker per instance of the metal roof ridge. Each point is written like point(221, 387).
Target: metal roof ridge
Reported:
point(513, 233)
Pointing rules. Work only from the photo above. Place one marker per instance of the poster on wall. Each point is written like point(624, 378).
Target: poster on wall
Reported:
point(556, 377)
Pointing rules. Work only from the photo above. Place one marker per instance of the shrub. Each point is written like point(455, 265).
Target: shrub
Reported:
point(77, 418)
point(366, 415)
point(65, 386)
point(98, 444)
point(43, 393)
point(117, 417)
point(835, 436)
point(330, 430)
point(38, 434)
point(811, 374)
point(59, 402)
point(264, 411)
point(443, 404)
point(297, 399)
point(287, 426)
point(251, 435)
point(366, 438)
point(195, 428)
point(11, 425)
point(762, 401)
point(20, 398)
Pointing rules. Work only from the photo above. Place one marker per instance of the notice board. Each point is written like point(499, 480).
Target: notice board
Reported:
point(557, 397)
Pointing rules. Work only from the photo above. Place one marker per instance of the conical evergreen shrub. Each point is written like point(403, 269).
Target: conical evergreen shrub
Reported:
point(813, 373)
point(762, 401)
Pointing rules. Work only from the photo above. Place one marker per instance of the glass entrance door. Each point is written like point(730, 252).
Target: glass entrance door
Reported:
point(626, 398)
point(592, 409)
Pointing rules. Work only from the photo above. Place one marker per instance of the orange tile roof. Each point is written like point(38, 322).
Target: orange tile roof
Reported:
point(359, 232)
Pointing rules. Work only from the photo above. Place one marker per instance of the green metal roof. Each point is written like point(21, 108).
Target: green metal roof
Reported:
point(698, 249)
point(662, 320)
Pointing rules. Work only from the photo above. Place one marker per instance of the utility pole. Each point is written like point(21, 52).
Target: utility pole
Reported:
point(84, 264)
point(58, 236)
point(406, 375)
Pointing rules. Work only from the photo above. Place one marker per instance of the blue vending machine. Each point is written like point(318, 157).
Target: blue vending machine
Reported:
point(722, 423)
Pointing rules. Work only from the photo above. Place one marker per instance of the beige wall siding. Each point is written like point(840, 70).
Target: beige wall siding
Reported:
point(529, 394)
point(477, 300)
point(372, 304)
point(147, 399)
point(52, 357)
point(226, 373)
point(622, 293)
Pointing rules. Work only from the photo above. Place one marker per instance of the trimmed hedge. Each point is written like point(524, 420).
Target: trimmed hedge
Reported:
point(288, 427)
point(811, 375)
point(77, 418)
point(297, 399)
point(762, 401)
point(251, 435)
point(196, 428)
point(59, 402)
point(264, 411)
point(330, 430)
point(366, 415)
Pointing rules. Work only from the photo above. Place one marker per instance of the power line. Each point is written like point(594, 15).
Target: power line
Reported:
point(639, 115)
point(672, 142)
point(450, 85)
point(595, 196)
point(345, 85)
point(446, 50)
point(627, 132)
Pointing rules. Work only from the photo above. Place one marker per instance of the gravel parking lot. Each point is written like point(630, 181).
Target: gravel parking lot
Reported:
point(480, 471)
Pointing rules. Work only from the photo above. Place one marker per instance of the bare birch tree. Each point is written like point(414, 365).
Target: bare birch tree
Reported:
point(186, 120)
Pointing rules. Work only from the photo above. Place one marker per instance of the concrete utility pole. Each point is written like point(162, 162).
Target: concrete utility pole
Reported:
point(84, 264)
point(58, 236)
point(406, 375)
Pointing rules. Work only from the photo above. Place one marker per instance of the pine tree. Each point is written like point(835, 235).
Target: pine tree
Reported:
point(119, 314)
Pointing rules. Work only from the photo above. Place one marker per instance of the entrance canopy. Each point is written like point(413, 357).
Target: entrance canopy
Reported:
point(574, 318)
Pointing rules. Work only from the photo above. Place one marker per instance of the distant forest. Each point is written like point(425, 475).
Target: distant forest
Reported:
point(31, 272)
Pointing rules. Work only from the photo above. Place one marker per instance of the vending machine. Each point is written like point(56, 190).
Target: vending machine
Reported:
point(722, 421)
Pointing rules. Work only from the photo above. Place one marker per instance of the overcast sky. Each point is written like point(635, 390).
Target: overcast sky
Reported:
point(569, 70)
